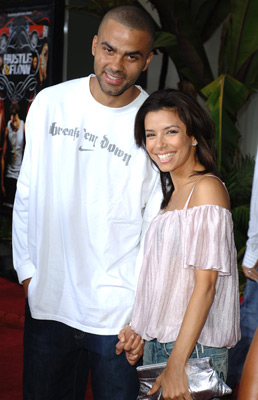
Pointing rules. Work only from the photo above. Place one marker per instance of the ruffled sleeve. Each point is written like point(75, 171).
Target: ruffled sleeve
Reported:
point(209, 238)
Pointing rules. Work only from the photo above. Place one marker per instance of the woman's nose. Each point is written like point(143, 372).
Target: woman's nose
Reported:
point(160, 143)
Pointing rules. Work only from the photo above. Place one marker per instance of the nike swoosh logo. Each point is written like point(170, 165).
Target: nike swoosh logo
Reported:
point(82, 149)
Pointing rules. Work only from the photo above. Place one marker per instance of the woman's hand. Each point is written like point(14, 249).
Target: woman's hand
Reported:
point(131, 343)
point(173, 383)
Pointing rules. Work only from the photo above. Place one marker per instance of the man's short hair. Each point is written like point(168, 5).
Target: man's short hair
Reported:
point(133, 17)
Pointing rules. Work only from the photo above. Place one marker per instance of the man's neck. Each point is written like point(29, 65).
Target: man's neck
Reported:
point(121, 100)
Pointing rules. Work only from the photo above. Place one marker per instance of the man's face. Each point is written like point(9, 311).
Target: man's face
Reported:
point(120, 55)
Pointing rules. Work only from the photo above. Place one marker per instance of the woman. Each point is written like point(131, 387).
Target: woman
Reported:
point(187, 302)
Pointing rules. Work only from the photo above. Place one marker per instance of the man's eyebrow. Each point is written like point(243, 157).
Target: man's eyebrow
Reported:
point(108, 45)
point(127, 53)
point(134, 53)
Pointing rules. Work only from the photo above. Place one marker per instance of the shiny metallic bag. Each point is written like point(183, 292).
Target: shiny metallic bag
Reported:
point(204, 382)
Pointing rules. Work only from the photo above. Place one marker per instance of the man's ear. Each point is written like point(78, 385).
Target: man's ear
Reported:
point(94, 44)
point(147, 62)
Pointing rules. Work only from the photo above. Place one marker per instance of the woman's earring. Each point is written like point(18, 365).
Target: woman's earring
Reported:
point(194, 144)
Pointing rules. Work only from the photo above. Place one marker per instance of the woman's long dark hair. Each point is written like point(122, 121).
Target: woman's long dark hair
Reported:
point(198, 124)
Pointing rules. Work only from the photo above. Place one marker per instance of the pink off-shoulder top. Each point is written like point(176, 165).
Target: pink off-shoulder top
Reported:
point(177, 242)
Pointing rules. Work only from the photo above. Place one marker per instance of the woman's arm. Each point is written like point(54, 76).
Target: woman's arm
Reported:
point(173, 380)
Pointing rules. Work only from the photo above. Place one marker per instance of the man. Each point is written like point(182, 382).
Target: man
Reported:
point(249, 306)
point(84, 197)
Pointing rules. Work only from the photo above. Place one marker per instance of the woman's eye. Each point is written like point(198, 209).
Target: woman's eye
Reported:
point(147, 135)
point(172, 132)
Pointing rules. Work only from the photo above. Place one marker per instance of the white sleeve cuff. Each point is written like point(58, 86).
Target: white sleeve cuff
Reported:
point(25, 271)
point(249, 259)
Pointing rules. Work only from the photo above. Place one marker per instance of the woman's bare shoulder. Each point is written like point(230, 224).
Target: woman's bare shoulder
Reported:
point(210, 190)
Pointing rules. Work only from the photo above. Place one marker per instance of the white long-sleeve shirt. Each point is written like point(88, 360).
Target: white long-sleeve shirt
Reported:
point(251, 253)
point(84, 196)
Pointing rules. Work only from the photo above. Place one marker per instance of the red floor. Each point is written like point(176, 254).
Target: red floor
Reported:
point(11, 337)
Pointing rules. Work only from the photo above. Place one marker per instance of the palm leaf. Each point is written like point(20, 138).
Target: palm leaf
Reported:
point(239, 38)
point(239, 181)
point(225, 96)
point(208, 15)
point(239, 184)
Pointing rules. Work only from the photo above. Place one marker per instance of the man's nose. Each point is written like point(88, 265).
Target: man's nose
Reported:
point(117, 63)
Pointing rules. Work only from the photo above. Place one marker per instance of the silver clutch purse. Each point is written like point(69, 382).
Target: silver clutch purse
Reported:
point(204, 382)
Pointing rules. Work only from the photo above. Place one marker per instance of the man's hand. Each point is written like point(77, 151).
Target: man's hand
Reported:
point(131, 343)
point(25, 286)
point(251, 273)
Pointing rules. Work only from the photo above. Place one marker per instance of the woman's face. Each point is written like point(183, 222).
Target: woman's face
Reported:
point(167, 142)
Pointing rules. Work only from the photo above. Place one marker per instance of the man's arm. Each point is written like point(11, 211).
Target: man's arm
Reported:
point(250, 261)
point(21, 258)
point(129, 341)
point(152, 201)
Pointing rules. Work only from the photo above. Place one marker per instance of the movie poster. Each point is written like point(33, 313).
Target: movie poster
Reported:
point(30, 60)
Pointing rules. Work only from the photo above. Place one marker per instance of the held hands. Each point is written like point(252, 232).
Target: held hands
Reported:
point(131, 343)
point(173, 383)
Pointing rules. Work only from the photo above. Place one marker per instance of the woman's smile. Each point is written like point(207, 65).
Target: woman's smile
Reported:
point(166, 157)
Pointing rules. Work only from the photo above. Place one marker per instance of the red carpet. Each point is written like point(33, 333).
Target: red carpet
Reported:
point(11, 338)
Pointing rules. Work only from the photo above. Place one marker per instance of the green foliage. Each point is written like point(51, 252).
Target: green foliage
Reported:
point(97, 8)
point(239, 184)
point(186, 26)
point(225, 96)
point(239, 40)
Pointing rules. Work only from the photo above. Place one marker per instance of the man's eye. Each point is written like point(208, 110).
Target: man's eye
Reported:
point(132, 58)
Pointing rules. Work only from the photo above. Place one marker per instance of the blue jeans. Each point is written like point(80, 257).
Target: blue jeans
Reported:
point(57, 360)
point(156, 352)
point(248, 325)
